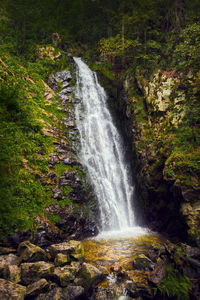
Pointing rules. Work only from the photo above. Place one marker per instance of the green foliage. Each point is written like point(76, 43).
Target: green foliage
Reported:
point(175, 285)
point(22, 140)
point(187, 52)
point(65, 202)
point(114, 47)
point(67, 190)
point(55, 219)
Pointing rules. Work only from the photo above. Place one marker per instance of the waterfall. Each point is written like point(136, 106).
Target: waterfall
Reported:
point(102, 152)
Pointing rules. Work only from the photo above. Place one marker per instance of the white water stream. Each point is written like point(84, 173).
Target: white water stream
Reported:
point(102, 152)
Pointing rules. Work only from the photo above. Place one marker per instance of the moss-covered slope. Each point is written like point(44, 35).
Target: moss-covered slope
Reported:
point(40, 175)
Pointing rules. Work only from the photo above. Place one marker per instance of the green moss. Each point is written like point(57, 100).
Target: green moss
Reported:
point(55, 219)
point(67, 190)
point(24, 148)
point(185, 167)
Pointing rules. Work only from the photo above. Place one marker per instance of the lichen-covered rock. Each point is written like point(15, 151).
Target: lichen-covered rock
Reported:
point(31, 272)
point(37, 287)
point(74, 249)
point(11, 291)
point(192, 213)
point(61, 260)
point(64, 275)
point(30, 252)
point(8, 267)
point(143, 263)
point(12, 273)
point(88, 276)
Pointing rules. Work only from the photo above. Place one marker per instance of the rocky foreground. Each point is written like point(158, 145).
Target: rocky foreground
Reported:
point(62, 271)
point(29, 272)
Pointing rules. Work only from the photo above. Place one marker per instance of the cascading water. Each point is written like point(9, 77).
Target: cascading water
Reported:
point(102, 152)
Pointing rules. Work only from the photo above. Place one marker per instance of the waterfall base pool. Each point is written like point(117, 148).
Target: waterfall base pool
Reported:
point(128, 232)
point(116, 258)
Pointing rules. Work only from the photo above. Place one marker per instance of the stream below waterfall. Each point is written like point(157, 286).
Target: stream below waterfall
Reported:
point(126, 263)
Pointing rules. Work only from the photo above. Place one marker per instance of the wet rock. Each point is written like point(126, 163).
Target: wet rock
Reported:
point(31, 272)
point(192, 251)
point(61, 260)
point(73, 292)
point(74, 249)
point(63, 76)
point(159, 273)
point(139, 291)
point(89, 276)
point(11, 291)
point(64, 94)
point(104, 294)
point(37, 287)
point(54, 294)
point(30, 252)
point(67, 161)
point(143, 263)
point(69, 123)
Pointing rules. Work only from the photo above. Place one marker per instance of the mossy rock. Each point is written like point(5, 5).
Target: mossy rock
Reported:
point(64, 275)
point(143, 263)
point(61, 260)
point(37, 287)
point(30, 252)
point(89, 276)
point(9, 290)
point(31, 272)
point(74, 249)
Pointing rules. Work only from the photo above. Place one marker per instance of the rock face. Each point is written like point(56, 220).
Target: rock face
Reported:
point(165, 145)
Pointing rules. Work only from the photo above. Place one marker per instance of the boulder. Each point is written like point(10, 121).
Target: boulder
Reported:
point(89, 276)
point(73, 292)
point(159, 273)
point(12, 273)
point(11, 291)
point(37, 287)
point(8, 267)
point(143, 263)
point(64, 275)
point(61, 260)
point(54, 294)
point(31, 272)
point(10, 259)
point(30, 252)
point(74, 249)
